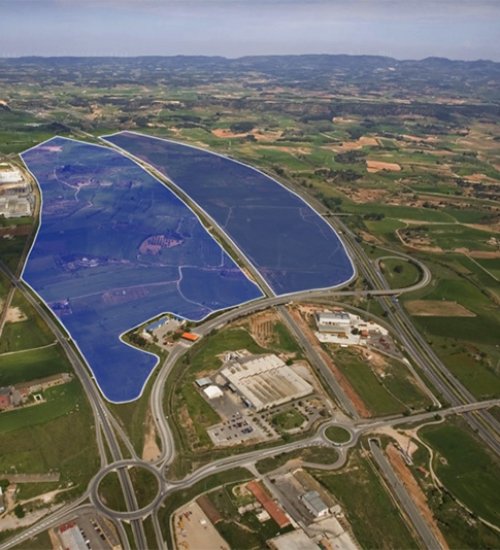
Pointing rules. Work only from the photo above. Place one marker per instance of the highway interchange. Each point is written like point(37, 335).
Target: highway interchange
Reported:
point(448, 391)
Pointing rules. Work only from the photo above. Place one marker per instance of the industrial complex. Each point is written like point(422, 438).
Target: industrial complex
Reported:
point(264, 381)
point(16, 197)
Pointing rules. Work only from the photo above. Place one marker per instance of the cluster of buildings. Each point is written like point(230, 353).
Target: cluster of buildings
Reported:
point(306, 515)
point(16, 197)
point(346, 329)
point(17, 395)
point(261, 381)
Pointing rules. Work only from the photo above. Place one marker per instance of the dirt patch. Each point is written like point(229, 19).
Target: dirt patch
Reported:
point(375, 360)
point(16, 230)
point(419, 139)
point(364, 141)
point(404, 440)
point(437, 308)
point(377, 165)
point(369, 238)
point(150, 450)
point(260, 135)
point(480, 178)
point(15, 315)
point(261, 327)
point(193, 530)
point(416, 493)
point(362, 196)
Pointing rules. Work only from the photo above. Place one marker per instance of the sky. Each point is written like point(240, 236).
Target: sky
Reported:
point(404, 29)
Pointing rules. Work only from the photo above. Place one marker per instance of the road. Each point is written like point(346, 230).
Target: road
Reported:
point(101, 414)
point(404, 498)
point(107, 428)
point(415, 345)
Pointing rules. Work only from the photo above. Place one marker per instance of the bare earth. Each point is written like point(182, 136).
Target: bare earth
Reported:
point(194, 531)
point(15, 315)
point(259, 135)
point(363, 141)
point(417, 495)
point(150, 451)
point(377, 165)
point(437, 308)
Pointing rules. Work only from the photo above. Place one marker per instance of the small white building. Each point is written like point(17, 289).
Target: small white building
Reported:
point(213, 392)
point(2, 502)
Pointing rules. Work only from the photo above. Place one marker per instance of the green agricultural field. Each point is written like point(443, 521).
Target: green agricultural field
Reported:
point(453, 236)
point(30, 333)
point(399, 212)
point(373, 516)
point(400, 273)
point(395, 392)
point(23, 366)
point(492, 266)
point(11, 250)
point(35, 439)
point(284, 341)
point(466, 468)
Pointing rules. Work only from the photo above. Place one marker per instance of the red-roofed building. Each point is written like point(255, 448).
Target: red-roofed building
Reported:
point(272, 508)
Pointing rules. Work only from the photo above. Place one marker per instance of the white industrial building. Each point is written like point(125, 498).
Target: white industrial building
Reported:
point(15, 207)
point(314, 504)
point(213, 392)
point(265, 381)
point(339, 321)
point(9, 174)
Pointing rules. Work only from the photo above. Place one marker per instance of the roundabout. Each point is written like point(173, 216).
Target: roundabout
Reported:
point(338, 435)
point(106, 491)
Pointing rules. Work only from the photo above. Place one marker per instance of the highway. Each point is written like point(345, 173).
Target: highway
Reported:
point(101, 414)
point(404, 498)
point(108, 430)
point(417, 348)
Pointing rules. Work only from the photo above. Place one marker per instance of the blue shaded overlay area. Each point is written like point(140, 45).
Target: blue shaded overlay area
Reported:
point(115, 248)
point(290, 244)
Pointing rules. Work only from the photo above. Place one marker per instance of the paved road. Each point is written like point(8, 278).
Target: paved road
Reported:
point(404, 498)
point(452, 389)
point(101, 414)
point(414, 343)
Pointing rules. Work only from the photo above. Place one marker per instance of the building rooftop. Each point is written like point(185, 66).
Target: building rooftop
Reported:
point(314, 502)
point(265, 380)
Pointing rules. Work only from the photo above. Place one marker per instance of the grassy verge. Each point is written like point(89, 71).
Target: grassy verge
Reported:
point(35, 439)
point(314, 455)
point(110, 492)
point(400, 273)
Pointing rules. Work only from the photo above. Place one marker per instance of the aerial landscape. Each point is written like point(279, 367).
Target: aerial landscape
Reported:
point(249, 275)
